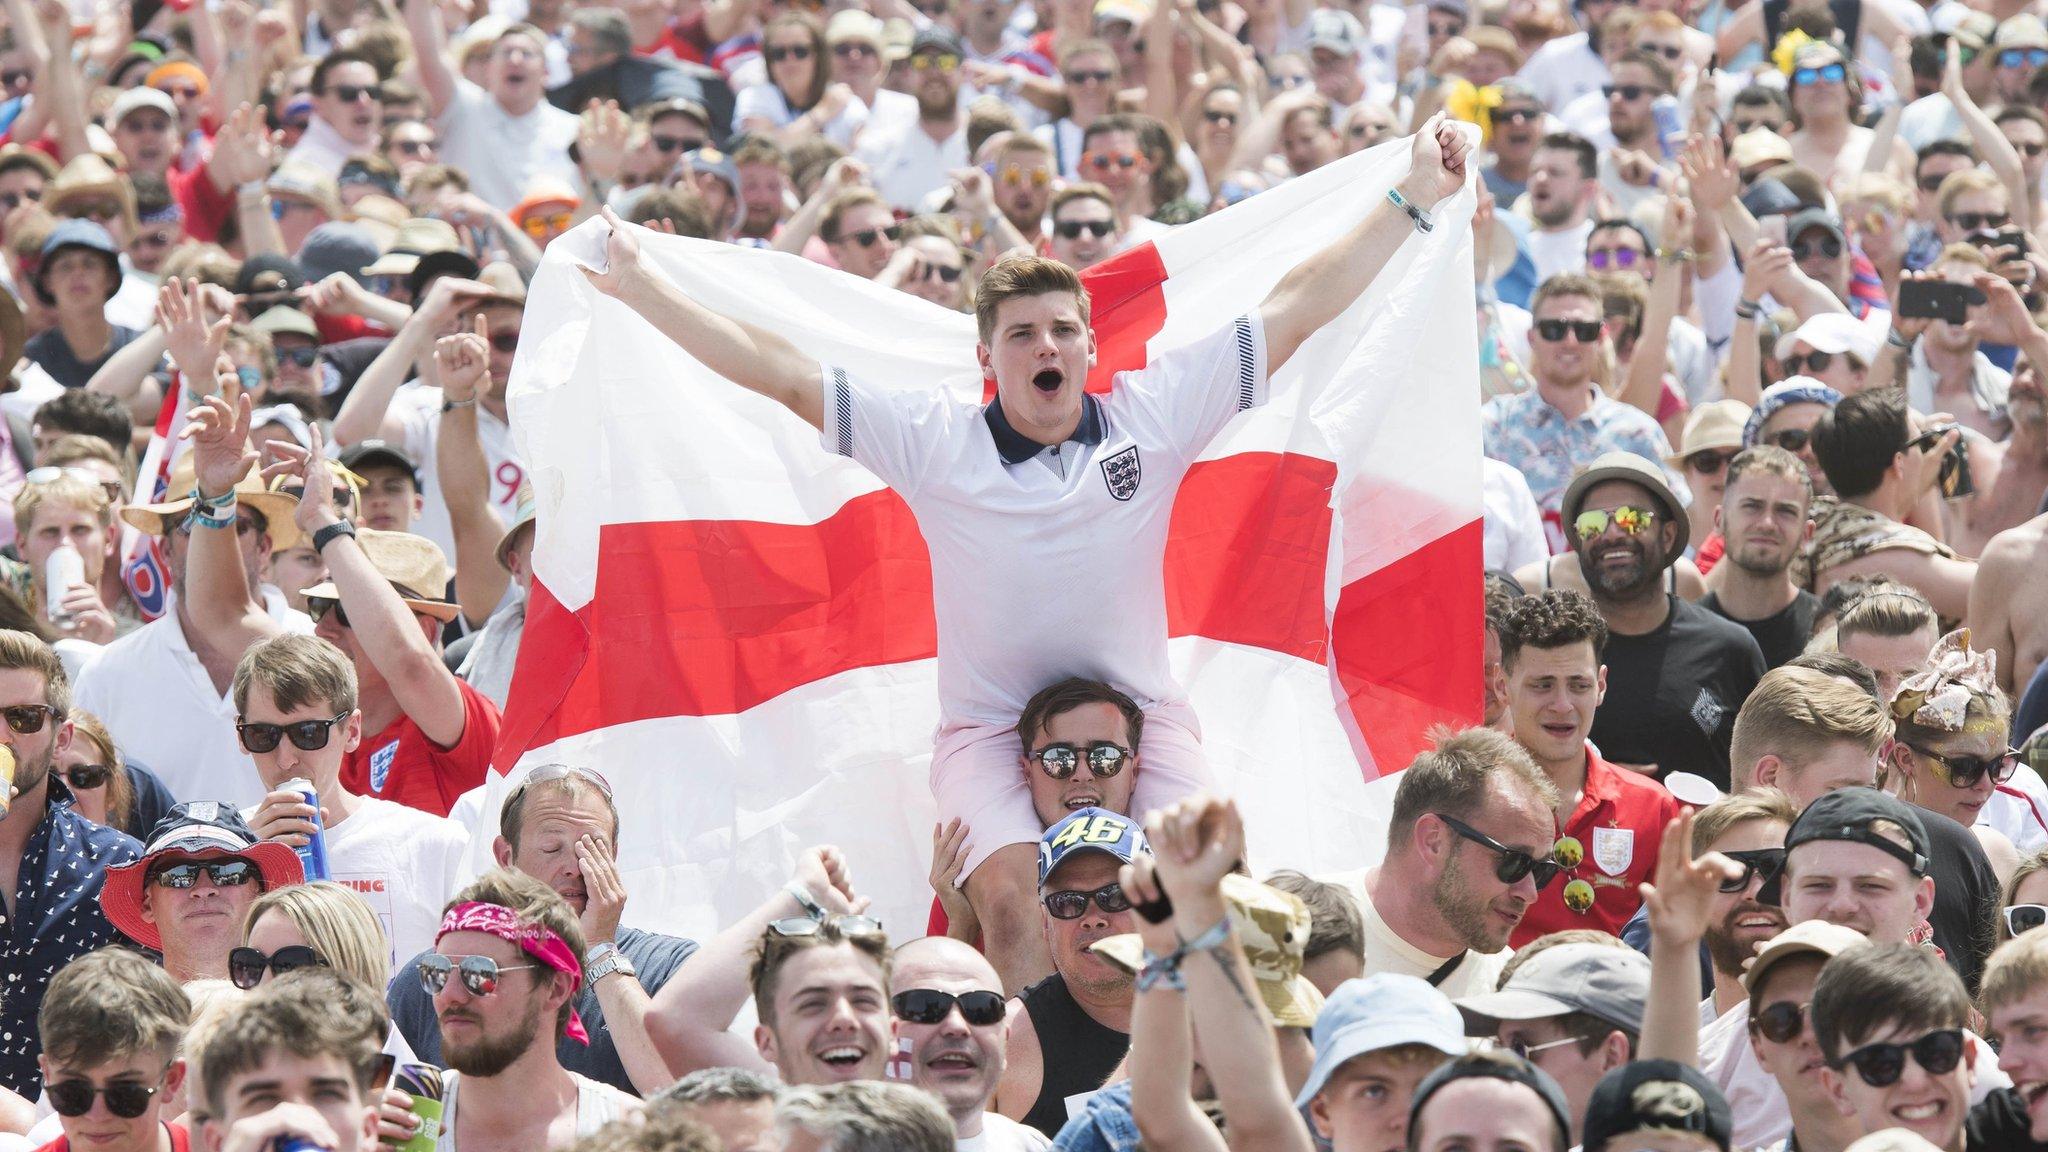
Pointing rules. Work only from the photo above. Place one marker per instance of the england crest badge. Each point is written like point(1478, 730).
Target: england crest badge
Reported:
point(1614, 849)
point(1122, 472)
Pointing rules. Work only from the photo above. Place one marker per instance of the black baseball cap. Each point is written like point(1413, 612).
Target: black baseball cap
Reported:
point(1494, 1066)
point(1849, 814)
point(1659, 1095)
point(369, 453)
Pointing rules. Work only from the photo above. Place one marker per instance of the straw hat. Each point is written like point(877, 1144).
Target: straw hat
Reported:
point(86, 176)
point(276, 507)
point(414, 565)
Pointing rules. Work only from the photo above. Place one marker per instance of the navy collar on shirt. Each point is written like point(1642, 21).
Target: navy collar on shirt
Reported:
point(1015, 447)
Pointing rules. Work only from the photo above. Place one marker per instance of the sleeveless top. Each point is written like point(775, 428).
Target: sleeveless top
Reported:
point(1076, 1053)
point(1670, 578)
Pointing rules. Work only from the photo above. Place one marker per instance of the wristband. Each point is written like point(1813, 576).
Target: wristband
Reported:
point(1748, 309)
point(331, 533)
point(1681, 255)
point(252, 188)
point(214, 505)
point(805, 900)
point(1893, 338)
point(448, 406)
point(1162, 970)
point(198, 517)
point(1422, 220)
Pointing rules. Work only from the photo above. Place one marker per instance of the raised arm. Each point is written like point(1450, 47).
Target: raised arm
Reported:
point(459, 463)
point(753, 358)
point(1680, 903)
point(218, 600)
point(1161, 1060)
point(1998, 153)
point(692, 1013)
point(57, 87)
point(1643, 386)
point(367, 411)
point(625, 1002)
point(845, 172)
point(430, 54)
point(1324, 285)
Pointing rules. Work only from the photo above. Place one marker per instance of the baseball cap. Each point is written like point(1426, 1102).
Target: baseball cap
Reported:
point(135, 99)
point(1659, 1095)
point(285, 319)
point(370, 453)
point(2022, 31)
point(1760, 146)
point(199, 829)
point(1807, 219)
point(936, 38)
point(1599, 980)
point(1715, 424)
point(1381, 1011)
point(1834, 332)
point(1848, 814)
point(1806, 938)
point(1089, 830)
point(1636, 470)
point(1336, 30)
point(337, 246)
point(1786, 392)
point(1770, 197)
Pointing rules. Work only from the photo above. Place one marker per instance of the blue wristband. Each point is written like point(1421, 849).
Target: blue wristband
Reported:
point(1422, 220)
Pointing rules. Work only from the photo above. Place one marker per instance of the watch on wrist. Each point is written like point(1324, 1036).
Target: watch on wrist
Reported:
point(331, 533)
point(604, 959)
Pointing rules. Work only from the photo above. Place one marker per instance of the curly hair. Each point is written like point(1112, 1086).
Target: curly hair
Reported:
point(1553, 618)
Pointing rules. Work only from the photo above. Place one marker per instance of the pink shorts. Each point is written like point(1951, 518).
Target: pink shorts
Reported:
point(978, 777)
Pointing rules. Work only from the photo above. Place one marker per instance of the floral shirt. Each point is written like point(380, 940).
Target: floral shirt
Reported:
point(1550, 448)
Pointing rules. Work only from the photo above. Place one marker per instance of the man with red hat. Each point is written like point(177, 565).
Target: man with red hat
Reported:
point(189, 894)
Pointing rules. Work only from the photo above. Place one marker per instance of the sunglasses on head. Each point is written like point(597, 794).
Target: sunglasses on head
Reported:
point(1881, 1065)
point(1709, 463)
point(306, 735)
point(929, 1006)
point(1104, 759)
point(246, 966)
point(1968, 771)
point(1514, 863)
point(1826, 246)
point(777, 54)
point(1090, 75)
point(2023, 57)
point(1074, 905)
point(866, 237)
point(125, 1098)
point(228, 872)
point(1630, 92)
point(1631, 520)
point(1584, 331)
point(27, 719)
point(1980, 221)
point(1602, 259)
point(1780, 1022)
point(479, 973)
point(83, 776)
point(793, 927)
point(1072, 229)
point(1830, 73)
point(1760, 864)
point(2021, 919)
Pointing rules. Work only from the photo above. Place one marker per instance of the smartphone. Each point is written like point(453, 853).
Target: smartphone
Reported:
point(2014, 238)
point(1938, 300)
point(1772, 228)
point(1956, 483)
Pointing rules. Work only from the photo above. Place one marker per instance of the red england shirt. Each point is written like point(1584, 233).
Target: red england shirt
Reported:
point(1619, 825)
point(401, 765)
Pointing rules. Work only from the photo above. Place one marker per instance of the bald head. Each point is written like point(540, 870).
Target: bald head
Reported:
point(956, 1058)
point(940, 958)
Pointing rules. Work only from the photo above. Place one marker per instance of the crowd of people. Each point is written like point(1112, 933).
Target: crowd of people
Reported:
point(1748, 850)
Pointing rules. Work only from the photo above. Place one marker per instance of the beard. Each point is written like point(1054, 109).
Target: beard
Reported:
point(1761, 559)
point(1627, 583)
point(490, 1055)
point(1726, 947)
point(1557, 215)
point(933, 107)
point(1465, 911)
point(31, 770)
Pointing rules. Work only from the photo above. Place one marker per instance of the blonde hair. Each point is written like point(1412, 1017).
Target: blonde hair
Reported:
point(2036, 861)
point(336, 923)
point(1797, 715)
point(66, 490)
point(2018, 967)
point(1962, 182)
point(1716, 819)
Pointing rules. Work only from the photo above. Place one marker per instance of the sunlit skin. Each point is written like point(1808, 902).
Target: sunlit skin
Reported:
point(551, 824)
point(1558, 189)
point(1069, 940)
point(147, 139)
point(198, 924)
point(1934, 1107)
point(1796, 1064)
point(865, 261)
point(356, 120)
point(1841, 765)
point(1856, 886)
point(322, 1085)
point(1363, 1106)
point(1480, 909)
point(1564, 364)
point(478, 1032)
point(1576, 1071)
point(54, 525)
point(1799, 417)
point(959, 1062)
point(830, 1019)
point(1738, 922)
point(1084, 725)
point(1893, 658)
point(2022, 1030)
point(1087, 249)
point(271, 931)
point(1763, 521)
point(100, 1130)
point(390, 501)
point(1483, 1114)
point(1931, 790)
point(1976, 202)
point(1039, 353)
point(1552, 693)
point(78, 279)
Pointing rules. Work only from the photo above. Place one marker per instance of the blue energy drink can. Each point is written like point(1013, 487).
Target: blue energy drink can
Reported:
point(313, 853)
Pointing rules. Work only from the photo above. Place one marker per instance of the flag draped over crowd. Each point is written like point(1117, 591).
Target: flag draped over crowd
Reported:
point(736, 627)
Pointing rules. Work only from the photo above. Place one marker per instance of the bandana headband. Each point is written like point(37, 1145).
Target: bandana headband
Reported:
point(536, 940)
point(1940, 697)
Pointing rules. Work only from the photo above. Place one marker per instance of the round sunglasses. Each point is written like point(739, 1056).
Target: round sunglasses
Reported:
point(1104, 759)
point(125, 1098)
point(246, 966)
point(1780, 1022)
point(930, 1006)
point(479, 973)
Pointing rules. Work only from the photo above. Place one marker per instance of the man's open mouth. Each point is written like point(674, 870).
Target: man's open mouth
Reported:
point(1048, 379)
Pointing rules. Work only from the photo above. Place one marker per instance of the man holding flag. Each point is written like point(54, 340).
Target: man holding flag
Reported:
point(1043, 499)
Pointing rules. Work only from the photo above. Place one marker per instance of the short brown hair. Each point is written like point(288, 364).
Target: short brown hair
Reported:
point(298, 670)
point(1079, 190)
point(1334, 921)
point(2016, 968)
point(1069, 694)
point(1770, 460)
point(1797, 715)
point(108, 1005)
point(1891, 611)
point(842, 202)
point(1962, 182)
point(1716, 819)
point(533, 903)
point(310, 1012)
point(1017, 277)
point(1568, 284)
point(551, 778)
point(21, 650)
point(1866, 990)
point(1456, 775)
point(774, 950)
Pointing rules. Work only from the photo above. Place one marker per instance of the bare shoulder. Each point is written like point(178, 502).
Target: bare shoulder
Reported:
point(2020, 545)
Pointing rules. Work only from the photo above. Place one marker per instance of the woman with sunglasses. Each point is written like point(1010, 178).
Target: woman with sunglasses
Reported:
point(1949, 754)
point(798, 100)
point(91, 767)
point(1825, 87)
point(2023, 905)
point(321, 924)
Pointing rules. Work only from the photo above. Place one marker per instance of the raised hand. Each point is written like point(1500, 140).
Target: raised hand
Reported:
point(1769, 263)
point(602, 138)
point(1140, 882)
point(1910, 327)
point(1195, 843)
point(1682, 898)
point(1709, 173)
point(604, 893)
point(621, 259)
point(2004, 318)
point(194, 343)
point(973, 197)
point(218, 430)
point(243, 150)
point(461, 361)
point(312, 469)
point(823, 871)
point(1436, 167)
point(284, 816)
point(949, 858)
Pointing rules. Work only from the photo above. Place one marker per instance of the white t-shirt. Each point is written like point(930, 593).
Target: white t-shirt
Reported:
point(419, 407)
point(596, 1106)
point(1555, 252)
point(766, 102)
point(1043, 537)
point(1563, 70)
point(404, 862)
point(153, 695)
point(1476, 974)
point(502, 153)
point(999, 1133)
point(908, 165)
point(1514, 526)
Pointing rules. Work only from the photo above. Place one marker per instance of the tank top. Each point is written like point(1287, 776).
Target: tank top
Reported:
point(1076, 1053)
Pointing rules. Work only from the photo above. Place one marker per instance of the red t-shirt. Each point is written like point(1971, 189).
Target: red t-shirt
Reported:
point(1619, 824)
point(401, 765)
point(181, 1141)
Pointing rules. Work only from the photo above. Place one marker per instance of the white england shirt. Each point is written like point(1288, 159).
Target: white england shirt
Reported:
point(1047, 562)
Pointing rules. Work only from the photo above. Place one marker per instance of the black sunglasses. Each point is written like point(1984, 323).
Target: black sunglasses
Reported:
point(667, 145)
point(13, 200)
point(1759, 864)
point(866, 237)
point(299, 357)
point(1980, 221)
point(27, 719)
point(479, 973)
point(350, 93)
point(1516, 115)
point(1780, 1023)
point(777, 55)
point(1709, 463)
point(306, 735)
point(1104, 759)
point(1790, 439)
point(1099, 76)
point(1626, 91)
point(1968, 771)
point(321, 607)
point(246, 966)
point(849, 49)
point(1584, 331)
point(1514, 864)
point(929, 1006)
point(505, 341)
point(1827, 246)
point(232, 872)
point(1072, 229)
point(125, 1098)
point(1881, 1065)
point(1074, 905)
point(83, 776)
point(1219, 116)
point(1811, 364)
point(2021, 919)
